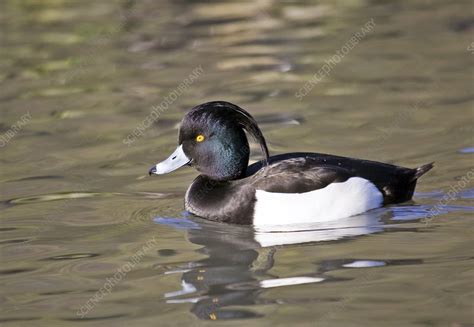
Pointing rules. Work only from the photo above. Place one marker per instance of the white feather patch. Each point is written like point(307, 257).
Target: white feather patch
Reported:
point(335, 201)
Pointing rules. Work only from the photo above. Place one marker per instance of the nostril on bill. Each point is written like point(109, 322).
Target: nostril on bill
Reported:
point(173, 158)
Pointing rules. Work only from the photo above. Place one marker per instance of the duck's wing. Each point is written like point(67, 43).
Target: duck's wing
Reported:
point(297, 175)
point(304, 172)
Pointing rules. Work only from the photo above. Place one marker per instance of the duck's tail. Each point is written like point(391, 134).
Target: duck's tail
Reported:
point(420, 171)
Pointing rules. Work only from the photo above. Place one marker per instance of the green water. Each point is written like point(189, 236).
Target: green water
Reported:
point(88, 239)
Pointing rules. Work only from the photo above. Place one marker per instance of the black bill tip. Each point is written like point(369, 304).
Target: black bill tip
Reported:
point(152, 170)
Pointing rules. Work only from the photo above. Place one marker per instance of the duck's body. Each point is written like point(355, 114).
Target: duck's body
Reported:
point(302, 188)
point(283, 189)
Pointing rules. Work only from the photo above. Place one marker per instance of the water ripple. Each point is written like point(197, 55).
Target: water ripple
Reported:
point(73, 256)
point(57, 196)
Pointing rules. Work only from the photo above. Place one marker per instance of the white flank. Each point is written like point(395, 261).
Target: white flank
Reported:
point(335, 201)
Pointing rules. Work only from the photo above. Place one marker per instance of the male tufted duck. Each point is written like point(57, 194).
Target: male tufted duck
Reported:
point(282, 189)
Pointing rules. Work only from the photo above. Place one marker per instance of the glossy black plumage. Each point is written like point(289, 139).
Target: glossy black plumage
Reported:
point(233, 201)
point(225, 190)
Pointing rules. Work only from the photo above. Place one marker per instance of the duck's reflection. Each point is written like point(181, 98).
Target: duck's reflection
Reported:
point(239, 258)
point(229, 274)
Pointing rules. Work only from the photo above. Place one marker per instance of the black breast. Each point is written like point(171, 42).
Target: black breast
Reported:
point(226, 201)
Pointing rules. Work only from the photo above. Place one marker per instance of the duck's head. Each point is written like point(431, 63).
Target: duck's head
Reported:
point(212, 139)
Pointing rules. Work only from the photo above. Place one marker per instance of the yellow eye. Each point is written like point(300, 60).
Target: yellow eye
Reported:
point(200, 138)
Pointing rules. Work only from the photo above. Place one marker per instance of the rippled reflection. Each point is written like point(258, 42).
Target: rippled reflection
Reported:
point(239, 259)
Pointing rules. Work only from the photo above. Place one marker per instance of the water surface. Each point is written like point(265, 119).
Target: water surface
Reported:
point(87, 238)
